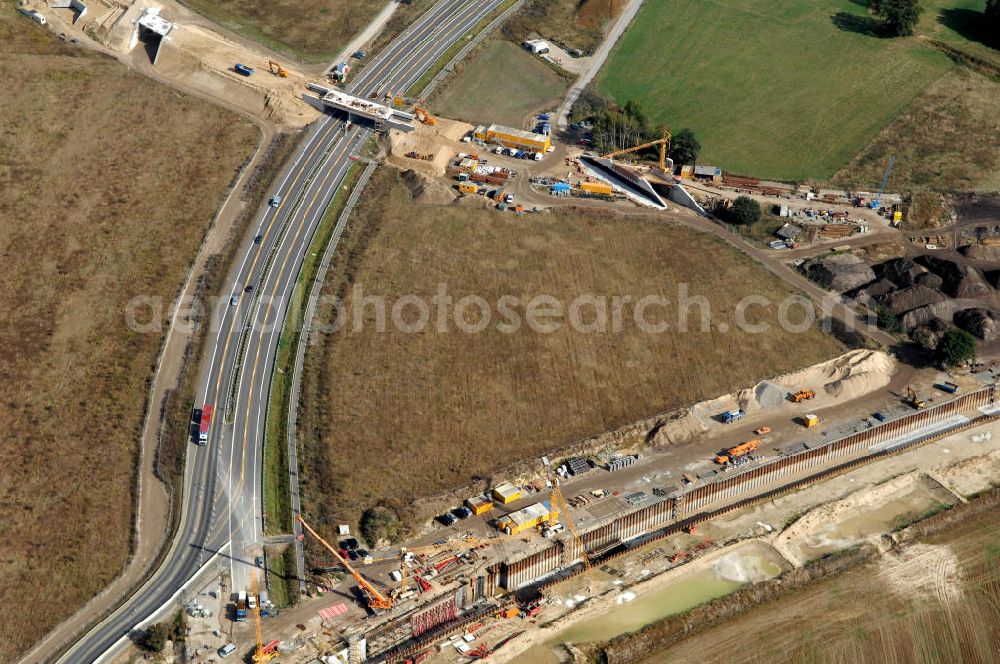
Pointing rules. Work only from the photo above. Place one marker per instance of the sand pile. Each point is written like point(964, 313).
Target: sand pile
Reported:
point(849, 376)
point(441, 142)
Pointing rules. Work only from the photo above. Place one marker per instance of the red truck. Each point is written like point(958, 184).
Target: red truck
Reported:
point(206, 422)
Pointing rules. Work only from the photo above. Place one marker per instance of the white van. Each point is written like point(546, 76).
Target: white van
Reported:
point(227, 650)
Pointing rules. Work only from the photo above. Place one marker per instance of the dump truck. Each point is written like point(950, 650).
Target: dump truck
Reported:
point(243, 70)
point(803, 395)
point(241, 607)
point(738, 451)
point(732, 415)
point(947, 386)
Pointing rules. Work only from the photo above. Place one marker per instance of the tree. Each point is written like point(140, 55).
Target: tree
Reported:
point(380, 523)
point(155, 637)
point(956, 347)
point(993, 16)
point(899, 17)
point(684, 147)
point(744, 211)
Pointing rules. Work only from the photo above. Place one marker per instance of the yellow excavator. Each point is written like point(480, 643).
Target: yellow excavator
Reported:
point(277, 69)
point(424, 116)
point(913, 401)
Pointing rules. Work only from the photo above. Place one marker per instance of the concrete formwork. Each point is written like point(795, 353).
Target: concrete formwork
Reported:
point(737, 491)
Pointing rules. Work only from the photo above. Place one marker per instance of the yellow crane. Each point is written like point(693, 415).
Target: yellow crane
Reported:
point(376, 600)
point(559, 506)
point(663, 142)
point(262, 654)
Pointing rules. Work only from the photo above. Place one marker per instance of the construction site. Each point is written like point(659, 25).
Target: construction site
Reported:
point(539, 550)
point(552, 548)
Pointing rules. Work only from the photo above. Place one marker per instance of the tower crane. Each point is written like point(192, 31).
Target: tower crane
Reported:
point(376, 600)
point(262, 654)
point(559, 506)
point(663, 142)
point(877, 201)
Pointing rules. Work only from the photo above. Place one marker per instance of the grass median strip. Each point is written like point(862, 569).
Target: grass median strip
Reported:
point(277, 507)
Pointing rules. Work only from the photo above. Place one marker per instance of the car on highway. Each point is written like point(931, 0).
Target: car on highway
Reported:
point(259, 561)
point(234, 300)
point(258, 239)
point(248, 289)
point(275, 200)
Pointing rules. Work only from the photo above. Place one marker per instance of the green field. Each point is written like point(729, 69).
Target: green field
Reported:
point(502, 84)
point(785, 89)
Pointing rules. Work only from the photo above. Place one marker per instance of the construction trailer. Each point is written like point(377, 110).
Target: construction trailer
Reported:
point(512, 138)
point(506, 493)
point(602, 188)
point(479, 504)
point(527, 518)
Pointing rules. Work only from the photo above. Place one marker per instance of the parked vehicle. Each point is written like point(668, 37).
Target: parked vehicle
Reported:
point(226, 650)
point(879, 416)
point(243, 70)
point(447, 519)
point(359, 55)
point(462, 512)
point(731, 416)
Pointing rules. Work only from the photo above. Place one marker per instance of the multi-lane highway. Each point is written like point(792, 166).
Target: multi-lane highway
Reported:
point(221, 512)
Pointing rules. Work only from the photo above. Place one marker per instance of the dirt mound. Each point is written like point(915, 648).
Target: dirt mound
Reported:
point(959, 280)
point(840, 273)
point(979, 252)
point(909, 298)
point(440, 142)
point(769, 395)
point(849, 376)
point(427, 191)
point(980, 322)
point(900, 271)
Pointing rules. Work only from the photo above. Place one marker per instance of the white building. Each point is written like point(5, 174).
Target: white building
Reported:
point(537, 46)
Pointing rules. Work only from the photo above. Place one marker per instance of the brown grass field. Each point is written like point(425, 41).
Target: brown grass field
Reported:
point(89, 222)
point(305, 29)
point(947, 140)
point(572, 23)
point(858, 618)
point(473, 95)
point(390, 416)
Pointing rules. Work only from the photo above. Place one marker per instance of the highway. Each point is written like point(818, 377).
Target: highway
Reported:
point(221, 511)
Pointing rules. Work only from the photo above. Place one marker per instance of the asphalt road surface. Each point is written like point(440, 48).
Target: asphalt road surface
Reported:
point(222, 494)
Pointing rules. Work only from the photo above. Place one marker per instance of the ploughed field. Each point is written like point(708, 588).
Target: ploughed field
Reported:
point(394, 415)
point(90, 222)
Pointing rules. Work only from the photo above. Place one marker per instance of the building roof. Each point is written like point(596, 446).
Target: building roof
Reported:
point(518, 133)
point(713, 171)
point(789, 231)
point(507, 490)
point(529, 513)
